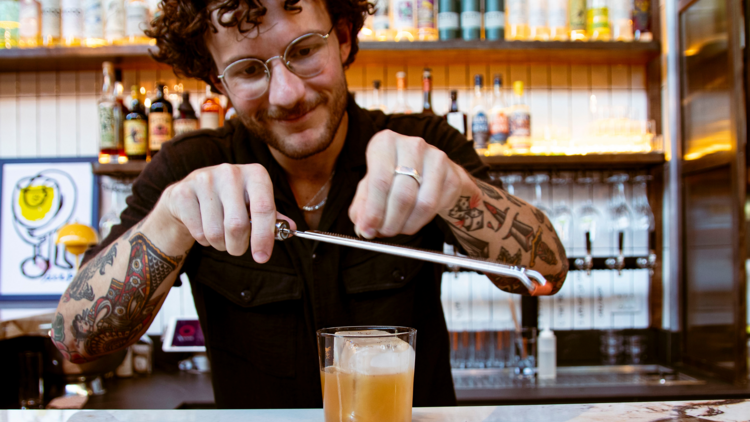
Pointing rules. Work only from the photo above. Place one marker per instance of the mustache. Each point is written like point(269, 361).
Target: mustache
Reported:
point(279, 113)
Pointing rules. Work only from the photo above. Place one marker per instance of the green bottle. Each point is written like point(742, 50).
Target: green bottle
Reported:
point(10, 22)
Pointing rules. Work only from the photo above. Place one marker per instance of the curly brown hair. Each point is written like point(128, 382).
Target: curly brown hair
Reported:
point(180, 28)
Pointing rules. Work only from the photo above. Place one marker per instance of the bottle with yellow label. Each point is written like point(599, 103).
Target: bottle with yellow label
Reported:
point(136, 129)
point(597, 21)
point(159, 121)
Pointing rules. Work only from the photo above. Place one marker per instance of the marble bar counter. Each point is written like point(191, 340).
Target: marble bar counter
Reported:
point(716, 410)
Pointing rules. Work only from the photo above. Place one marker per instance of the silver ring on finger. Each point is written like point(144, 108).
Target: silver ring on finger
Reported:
point(408, 171)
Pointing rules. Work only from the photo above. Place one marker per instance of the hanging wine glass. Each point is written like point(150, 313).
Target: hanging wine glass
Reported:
point(619, 211)
point(537, 180)
point(562, 215)
point(643, 218)
point(510, 180)
point(588, 215)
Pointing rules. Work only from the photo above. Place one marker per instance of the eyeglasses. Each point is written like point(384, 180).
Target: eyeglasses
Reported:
point(306, 57)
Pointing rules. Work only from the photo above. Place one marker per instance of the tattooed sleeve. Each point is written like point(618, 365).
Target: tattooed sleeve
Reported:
point(79, 288)
point(118, 318)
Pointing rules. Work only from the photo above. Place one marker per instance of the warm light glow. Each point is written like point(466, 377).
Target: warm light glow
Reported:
point(147, 102)
point(122, 159)
point(143, 90)
point(105, 159)
point(711, 149)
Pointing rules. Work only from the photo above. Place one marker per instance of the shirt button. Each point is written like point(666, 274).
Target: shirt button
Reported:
point(245, 295)
point(398, 276)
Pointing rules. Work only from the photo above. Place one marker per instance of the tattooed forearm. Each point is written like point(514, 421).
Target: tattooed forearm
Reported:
point(129, 306)
point(79, 288)
point(58, 338)
point(514, 226)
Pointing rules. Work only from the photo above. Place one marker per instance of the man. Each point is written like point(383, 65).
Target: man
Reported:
point(304, 152)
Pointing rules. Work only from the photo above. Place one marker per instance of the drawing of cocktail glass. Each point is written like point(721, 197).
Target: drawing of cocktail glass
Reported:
point(76, 238)
point(588, 221)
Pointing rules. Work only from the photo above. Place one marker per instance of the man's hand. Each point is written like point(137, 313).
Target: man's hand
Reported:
point(387, 204)
point(215, 205)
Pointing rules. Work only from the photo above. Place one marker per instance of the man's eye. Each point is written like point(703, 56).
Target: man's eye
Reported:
point(251, 71)
point(304, 51)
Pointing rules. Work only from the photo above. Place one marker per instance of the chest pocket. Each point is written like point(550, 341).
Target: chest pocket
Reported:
point(365, 271)
point(252, 311)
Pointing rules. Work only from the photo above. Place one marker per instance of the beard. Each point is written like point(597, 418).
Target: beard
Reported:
point(258, 124)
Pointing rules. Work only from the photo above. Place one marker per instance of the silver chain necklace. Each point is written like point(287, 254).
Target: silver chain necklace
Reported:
point(310, 208)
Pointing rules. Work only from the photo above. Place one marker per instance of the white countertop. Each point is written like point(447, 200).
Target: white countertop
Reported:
point(717, 410)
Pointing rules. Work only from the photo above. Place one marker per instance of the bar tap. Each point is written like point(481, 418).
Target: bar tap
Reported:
point(618, 262)
point(586, 263)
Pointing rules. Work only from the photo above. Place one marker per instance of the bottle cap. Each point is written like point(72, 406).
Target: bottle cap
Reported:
point(376, 84)
point(478, 80)
point(401, 75)
point(108, 66)
point(427, 73)
point(498, 79)
point(454, 94)
point(518, 88)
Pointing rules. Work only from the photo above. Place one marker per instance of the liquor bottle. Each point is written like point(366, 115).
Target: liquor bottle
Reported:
point(107, 109)
point(494, 20)
point(187, 122)
point(426, 27)
point(136, 21)
point(211, 111)
point(159, 120)
point(577, 20)
point(427, 93)
point(136, 129)
point(114, 21)
point(471, 20)
point(456, 118)
point(480, 128)
point(519, 140)
point(448, 20)
point(597, 21)
point(93, 23)
point(30, 24)
point(10, 16)
point(620, 19)
point(401, 106)
point(404, 18)
point(51, 11)
point(557, 19)
point(381, 21)
point(517, 16)
point(499, 127)
point(377, 98)
point(120, 112)
point(642, 20)
point(538, 29)
point(72, 22)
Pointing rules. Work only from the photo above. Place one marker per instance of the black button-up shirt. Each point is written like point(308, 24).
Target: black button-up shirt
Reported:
point(259, 320)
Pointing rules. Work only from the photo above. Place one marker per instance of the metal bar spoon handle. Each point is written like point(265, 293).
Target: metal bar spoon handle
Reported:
point(282, 231)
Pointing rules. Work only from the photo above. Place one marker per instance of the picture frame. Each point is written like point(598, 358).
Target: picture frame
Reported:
point(37, 197)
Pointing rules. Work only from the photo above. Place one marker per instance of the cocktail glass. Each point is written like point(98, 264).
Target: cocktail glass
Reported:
point(367, 373)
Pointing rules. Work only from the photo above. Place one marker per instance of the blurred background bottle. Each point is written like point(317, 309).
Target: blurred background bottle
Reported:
point(517, 20)
point(620, 20)
point(456, 118)
point(557, 19)
point(120, 112)
point(51, 32)
point(377, 97)
point(381, 21)
point(135, 128)
point(136, 21)
point(447, 21)
point(30, 24)
point(114, 21)
point(577, 20)
point(401, 106)
point(480, 128)
point(426, 25)
point(471, 20)
point(498, 118)
point(519, 139)
point(538, 29)
point(404, 20)
point(186, 120)
point(427, 92)
point(597, 21)
point(93, 23)
point(72, 22)
point(109, 148)
point(159, 120)
point(10, 16)
point(494, 20)
point(212, 114)
point(642, 20)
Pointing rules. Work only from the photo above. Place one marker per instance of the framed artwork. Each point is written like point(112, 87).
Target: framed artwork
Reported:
point(37, 197)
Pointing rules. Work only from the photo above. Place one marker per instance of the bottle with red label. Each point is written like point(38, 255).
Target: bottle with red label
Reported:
point(159, 121)
point(499, 127)
point(187, 121)
point(212, 114)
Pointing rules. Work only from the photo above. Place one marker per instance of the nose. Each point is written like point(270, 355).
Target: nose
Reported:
point(285, 89)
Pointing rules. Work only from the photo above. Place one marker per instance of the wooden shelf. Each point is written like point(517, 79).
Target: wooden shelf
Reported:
point(127, 170)
point(575, 162)
point(406, 53)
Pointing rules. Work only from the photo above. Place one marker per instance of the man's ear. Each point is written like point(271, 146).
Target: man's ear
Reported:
point(216, 82)
point(344, 35)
